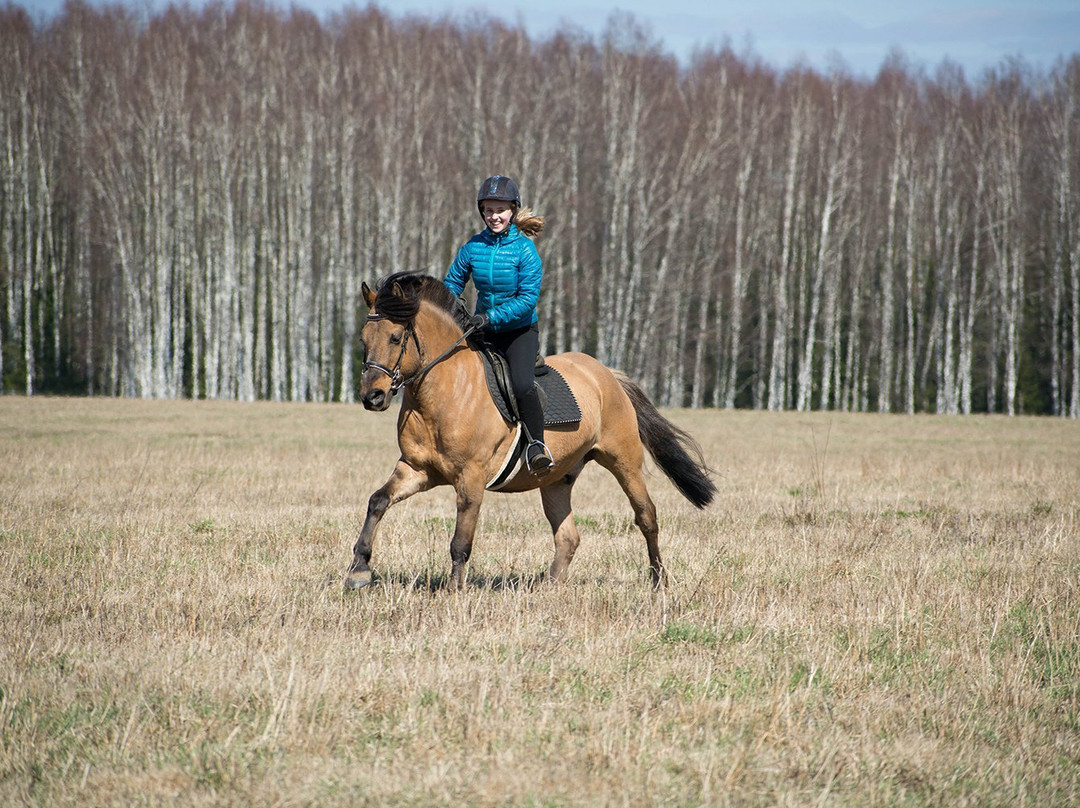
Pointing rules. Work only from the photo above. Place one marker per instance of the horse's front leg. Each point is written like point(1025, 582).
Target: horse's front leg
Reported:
point(403, 483)
point(470, 495)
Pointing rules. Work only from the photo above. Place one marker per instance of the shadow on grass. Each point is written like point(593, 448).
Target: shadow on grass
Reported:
point(439, 582)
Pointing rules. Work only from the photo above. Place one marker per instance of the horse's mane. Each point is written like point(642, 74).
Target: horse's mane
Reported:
point(398, 298)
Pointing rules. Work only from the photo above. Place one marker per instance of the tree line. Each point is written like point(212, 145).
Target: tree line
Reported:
point(190, 199)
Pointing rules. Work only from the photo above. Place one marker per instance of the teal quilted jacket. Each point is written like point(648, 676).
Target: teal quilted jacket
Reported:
point(506, 271)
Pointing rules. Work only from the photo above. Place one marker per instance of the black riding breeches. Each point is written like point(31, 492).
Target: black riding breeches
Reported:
point(520, 348)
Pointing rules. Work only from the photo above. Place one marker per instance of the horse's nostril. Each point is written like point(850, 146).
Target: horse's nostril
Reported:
point(375, 400)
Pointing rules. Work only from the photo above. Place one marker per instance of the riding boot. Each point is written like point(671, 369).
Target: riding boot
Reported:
point(537, 456)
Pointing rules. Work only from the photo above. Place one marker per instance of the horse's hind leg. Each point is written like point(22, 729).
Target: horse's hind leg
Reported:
point(556, 499)
point(645, 518)
point(630, 477)
point(403, 483)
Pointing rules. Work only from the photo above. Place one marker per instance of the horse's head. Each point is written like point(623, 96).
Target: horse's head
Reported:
point(392, 343)
point(389, 338)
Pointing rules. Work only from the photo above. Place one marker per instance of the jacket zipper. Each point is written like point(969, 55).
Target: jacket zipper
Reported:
point(497, 244)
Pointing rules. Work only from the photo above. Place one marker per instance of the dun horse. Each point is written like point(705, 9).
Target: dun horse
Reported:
point(451, 433)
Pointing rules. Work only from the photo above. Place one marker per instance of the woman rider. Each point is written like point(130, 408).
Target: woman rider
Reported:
point(506, 271)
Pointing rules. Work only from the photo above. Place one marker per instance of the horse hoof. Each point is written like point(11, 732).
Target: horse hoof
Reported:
point(357, 580)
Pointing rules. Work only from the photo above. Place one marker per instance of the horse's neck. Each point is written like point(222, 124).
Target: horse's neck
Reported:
point(447, 386)
point(447, 395)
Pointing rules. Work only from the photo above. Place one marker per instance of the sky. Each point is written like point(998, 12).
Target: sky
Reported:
point(975, 34)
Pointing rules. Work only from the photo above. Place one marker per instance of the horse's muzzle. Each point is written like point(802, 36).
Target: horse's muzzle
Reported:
point(376, 400)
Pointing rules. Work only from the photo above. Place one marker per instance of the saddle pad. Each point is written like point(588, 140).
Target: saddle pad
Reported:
point(560, 406)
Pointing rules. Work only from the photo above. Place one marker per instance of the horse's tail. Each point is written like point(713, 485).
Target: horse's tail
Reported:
point(674, 450)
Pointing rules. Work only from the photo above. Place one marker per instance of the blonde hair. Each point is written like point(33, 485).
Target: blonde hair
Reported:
point(528, 222)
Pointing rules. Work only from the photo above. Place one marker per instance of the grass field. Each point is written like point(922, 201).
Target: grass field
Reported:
point(877, 610)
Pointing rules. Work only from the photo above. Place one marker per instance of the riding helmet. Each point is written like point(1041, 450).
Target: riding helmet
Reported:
point(500, 188)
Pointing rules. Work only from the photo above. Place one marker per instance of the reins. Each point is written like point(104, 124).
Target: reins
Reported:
point(397, 381)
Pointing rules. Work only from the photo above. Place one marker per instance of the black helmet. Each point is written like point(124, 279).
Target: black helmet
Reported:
point(498, 187)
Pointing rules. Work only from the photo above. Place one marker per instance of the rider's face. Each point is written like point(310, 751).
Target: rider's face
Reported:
point(497, 215)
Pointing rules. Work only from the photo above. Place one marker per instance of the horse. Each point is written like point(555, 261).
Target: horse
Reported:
point(450, 431)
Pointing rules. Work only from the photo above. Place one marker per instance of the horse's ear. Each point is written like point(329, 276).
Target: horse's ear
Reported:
point(369, 296)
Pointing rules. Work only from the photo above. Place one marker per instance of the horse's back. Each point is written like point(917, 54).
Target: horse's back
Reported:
point(595, 385)
point(583, 372)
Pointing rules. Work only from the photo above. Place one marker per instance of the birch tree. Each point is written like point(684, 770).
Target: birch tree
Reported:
point(781, 301)
point(1064, 141)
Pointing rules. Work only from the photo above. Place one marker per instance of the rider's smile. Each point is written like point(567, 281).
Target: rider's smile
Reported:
point(497, 216)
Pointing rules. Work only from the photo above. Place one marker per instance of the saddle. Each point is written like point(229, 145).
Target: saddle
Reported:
point(556, 398)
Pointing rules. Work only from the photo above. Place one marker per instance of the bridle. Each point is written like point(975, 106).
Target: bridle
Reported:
point(397, 380)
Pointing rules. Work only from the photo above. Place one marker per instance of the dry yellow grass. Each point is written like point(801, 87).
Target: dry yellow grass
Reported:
point(876, 611)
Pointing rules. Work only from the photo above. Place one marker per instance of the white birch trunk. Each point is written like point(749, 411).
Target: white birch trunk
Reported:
point(888, 304)
point(822, 267)
point(739, 278)
point(911, 296)
point(782, 322)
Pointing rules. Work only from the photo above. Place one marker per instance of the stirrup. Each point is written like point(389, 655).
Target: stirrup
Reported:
point(538, 462)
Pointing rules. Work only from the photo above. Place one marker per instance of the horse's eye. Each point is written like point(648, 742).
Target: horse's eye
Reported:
point(395, 339)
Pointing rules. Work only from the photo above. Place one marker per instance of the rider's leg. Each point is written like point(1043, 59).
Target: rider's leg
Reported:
point(521, 353)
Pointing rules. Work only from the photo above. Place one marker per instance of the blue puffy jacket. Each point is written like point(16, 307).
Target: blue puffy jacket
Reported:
point(506, 271)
